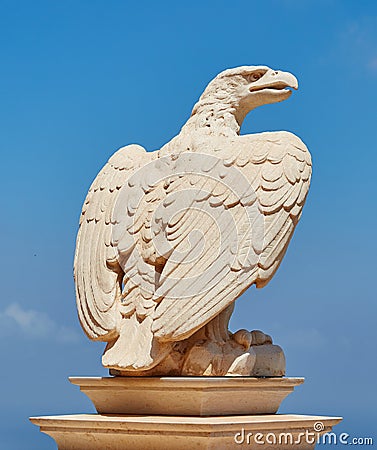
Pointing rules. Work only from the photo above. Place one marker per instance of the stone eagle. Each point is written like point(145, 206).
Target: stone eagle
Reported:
point(169, 239)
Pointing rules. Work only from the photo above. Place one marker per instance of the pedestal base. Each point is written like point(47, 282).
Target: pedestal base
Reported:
point(112, 432)
point(185, 413)
point(187, 396)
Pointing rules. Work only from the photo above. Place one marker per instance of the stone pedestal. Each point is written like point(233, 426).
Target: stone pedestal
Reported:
point(115, 432)
point(171, 413)
point(187, 396)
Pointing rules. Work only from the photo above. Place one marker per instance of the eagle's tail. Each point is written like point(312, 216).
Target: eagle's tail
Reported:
point(135, 348)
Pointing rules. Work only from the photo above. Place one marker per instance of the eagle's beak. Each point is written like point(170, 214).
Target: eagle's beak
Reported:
point(275, 80)
point(287, 78)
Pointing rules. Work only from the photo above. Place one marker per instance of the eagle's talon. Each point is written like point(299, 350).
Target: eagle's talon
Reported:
point(243, 337)
point(260, 338)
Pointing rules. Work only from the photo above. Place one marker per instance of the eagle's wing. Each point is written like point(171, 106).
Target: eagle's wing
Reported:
point(98, 275)
point(282, 187)
point(192, 292)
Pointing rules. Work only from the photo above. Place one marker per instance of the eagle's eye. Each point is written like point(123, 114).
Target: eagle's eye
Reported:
point(256, 75)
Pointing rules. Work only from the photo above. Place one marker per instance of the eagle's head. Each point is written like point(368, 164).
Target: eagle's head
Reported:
point(260, 85)
point(247, 87)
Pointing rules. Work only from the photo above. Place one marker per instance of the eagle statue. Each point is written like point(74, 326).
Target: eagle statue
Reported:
point(169, 239)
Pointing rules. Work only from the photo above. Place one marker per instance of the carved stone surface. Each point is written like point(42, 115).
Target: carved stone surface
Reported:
point(269, 432)
point(169, 239)
point(187, 396)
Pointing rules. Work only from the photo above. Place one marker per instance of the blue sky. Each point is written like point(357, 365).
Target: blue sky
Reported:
point(80, 79)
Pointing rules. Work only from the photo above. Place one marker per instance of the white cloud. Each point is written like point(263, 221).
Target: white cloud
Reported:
point(359, 42)
point(304, 338)
point(372, 64)
point(33, 324)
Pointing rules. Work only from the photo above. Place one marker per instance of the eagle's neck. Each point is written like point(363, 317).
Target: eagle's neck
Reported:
point(218, 113)
point(215, 118)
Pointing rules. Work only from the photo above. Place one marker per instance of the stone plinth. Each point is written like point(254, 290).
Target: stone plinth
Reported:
point(185, 413)
point(187, 396)
point(112, 432)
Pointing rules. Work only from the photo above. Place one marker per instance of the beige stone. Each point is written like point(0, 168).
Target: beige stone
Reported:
point(104, 432)
point(187, 396)
point(170, 239)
